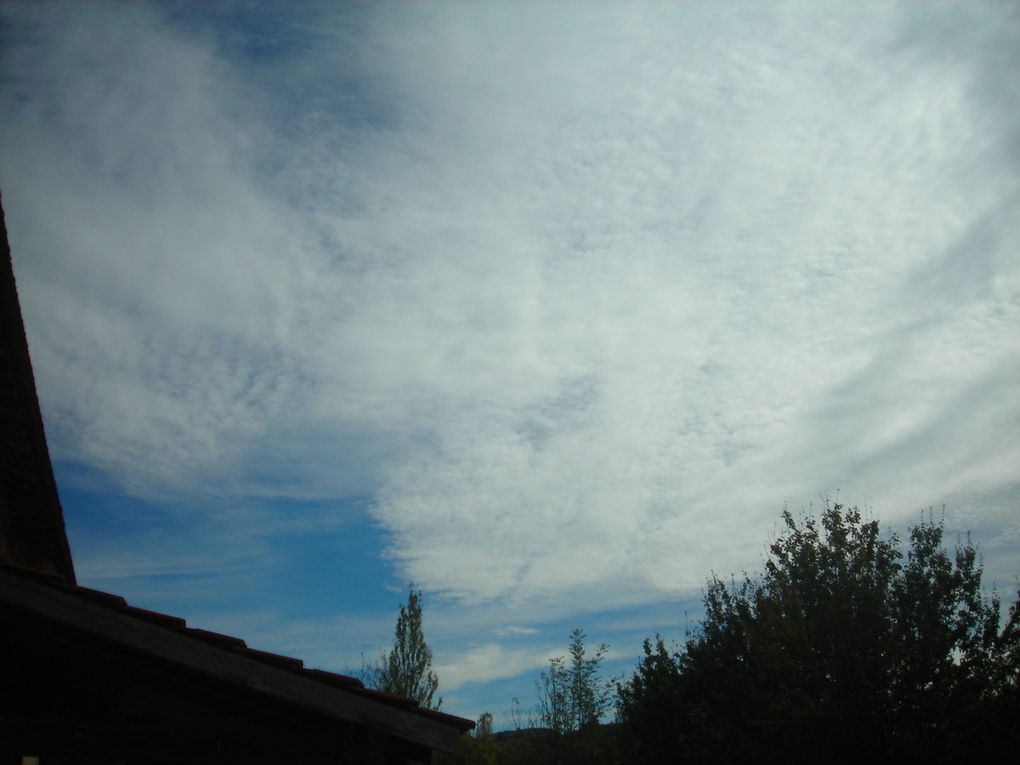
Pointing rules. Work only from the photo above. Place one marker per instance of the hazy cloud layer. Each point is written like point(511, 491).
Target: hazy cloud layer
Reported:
point(581, 294)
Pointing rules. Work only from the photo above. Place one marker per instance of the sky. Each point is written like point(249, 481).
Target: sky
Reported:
point(548, 308)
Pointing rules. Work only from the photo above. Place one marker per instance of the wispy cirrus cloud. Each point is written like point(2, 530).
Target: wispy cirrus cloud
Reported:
point(493, 661)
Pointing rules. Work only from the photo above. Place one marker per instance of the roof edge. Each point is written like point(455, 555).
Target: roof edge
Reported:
point(45, 544)
point(64, 605)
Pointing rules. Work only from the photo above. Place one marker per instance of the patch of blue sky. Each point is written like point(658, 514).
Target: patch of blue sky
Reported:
point(165, 555)
point(338, 571)
point(94, 509)
point(310, 56)
point(250, 32)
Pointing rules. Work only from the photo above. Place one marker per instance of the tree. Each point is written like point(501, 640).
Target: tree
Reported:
point(651, 704)
point(839, 651)
point(483, 728)
point(481, 748)
point(552, 687)
point(571, 694)
point(406, 670)
point(589, 696)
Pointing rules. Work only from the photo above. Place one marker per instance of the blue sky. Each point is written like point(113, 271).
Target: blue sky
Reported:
point(548, 308)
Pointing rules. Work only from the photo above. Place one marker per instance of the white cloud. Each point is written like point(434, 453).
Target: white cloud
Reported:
point(721, 294)
point(582, 295)
point(492, 661)
point(514, 631)
point(158, 307)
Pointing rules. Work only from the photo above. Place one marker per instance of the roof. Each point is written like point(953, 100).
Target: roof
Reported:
point(31, 519)
point(224, 658)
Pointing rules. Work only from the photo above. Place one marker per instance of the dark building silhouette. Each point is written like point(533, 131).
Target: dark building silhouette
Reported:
point(31, 521)
point(87, 678)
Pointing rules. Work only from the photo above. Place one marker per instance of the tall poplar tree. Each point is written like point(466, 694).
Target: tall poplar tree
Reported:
point(406, 670)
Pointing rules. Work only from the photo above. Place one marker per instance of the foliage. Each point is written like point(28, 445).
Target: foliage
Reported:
point(564, 729)
point(406, 670)
point(650, 704)
point(841, 650)
point(481, 748)
point(551, 688)
point(571, 695)
point(596, 745)
point(483, 728)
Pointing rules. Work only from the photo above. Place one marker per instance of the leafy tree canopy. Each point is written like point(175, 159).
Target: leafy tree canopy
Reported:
point(571, 693)
point(406, 670)
point(843, 649)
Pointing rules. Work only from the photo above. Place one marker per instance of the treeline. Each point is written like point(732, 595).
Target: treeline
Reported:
point(845, 648)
